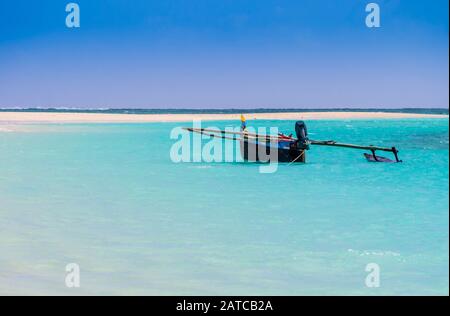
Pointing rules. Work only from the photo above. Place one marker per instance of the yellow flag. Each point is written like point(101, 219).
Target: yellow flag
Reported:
point(243, 123)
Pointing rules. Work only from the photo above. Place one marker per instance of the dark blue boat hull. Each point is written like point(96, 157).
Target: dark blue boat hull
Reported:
point(266, 152)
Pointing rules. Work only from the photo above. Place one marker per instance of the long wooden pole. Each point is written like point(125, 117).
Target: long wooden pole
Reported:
point(371, 147)
point(207, 131)
point(335, 144)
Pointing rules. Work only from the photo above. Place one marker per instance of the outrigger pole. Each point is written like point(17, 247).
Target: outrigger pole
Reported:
point(222, 134)
point(371, 147)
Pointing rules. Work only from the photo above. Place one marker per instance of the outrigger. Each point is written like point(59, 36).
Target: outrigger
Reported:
point(285, 148)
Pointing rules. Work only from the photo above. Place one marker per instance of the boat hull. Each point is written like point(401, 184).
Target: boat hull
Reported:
point(266, 152)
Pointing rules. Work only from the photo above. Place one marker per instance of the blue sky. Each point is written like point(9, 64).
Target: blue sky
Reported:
point(224, 53)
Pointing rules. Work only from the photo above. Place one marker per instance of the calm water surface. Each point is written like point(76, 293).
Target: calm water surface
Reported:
point(108, 197)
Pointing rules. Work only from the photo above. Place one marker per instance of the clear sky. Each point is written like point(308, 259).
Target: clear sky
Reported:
point(223, 54)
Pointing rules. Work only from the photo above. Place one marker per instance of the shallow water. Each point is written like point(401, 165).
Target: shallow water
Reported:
point(108, 197)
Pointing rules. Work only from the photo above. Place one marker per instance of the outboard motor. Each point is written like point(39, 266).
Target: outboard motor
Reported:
point(302, 135)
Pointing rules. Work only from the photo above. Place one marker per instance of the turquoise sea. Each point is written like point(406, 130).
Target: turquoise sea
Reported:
point(109, 198)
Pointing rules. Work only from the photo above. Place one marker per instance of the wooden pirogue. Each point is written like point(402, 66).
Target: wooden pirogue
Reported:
point(284, 148)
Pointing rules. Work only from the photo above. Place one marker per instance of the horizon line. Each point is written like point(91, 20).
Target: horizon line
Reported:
point(65, 108)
